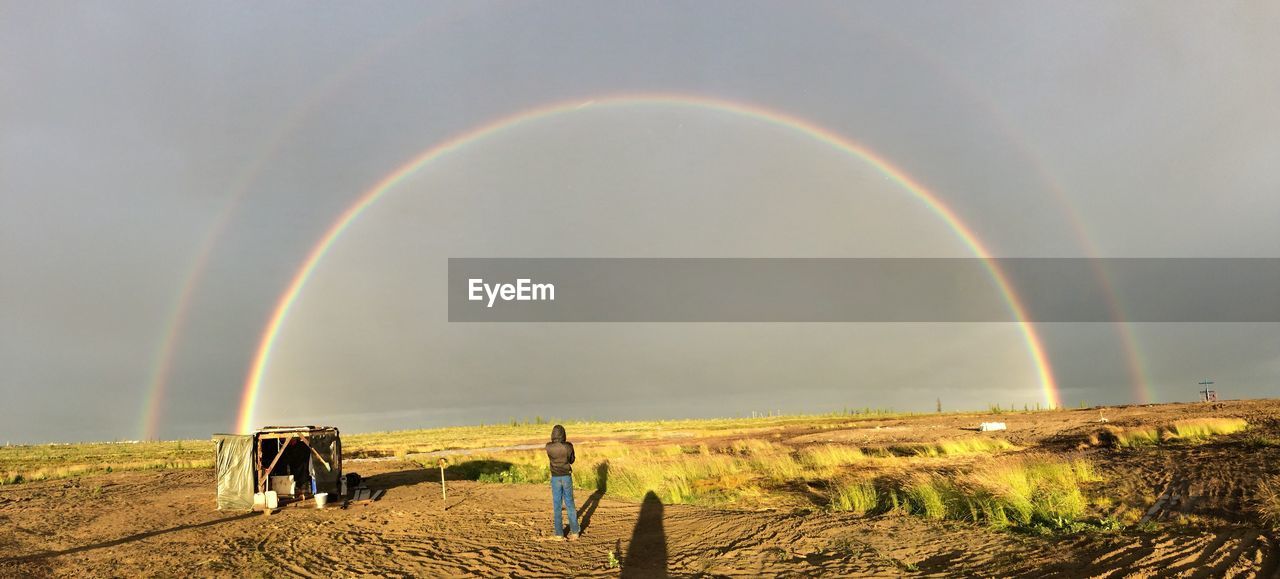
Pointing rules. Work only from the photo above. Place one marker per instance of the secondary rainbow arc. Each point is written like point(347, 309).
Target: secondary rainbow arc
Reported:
point(253, 381)
point(1140, 383)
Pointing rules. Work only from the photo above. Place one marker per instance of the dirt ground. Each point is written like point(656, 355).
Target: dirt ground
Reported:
point(164, 523)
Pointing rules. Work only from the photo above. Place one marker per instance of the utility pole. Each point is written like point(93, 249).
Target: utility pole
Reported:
point(1206, 394)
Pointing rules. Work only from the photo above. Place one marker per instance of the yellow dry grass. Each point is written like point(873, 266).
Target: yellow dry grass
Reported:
point(1029, 490)
point(856, 495)
point(828, 458)
point(954, 447)
point(516, 432)
point(1195, 430)
point(1206, 427)
point(55, 461)
point(1266, 501)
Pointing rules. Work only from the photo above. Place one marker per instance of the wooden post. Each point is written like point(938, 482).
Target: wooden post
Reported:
point(257, 469)
point(444, 495)
point(257, 465)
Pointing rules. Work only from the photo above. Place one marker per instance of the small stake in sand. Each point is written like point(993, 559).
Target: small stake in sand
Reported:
point(444, 496)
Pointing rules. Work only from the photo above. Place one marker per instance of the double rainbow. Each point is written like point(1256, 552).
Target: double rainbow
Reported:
point(266, 343)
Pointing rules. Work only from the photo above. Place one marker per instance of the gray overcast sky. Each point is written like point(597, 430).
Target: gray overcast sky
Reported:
point(129, 132)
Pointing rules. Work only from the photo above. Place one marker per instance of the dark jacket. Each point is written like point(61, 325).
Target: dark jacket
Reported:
point(560, 453)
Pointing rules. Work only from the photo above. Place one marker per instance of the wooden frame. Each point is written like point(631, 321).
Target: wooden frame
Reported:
point(288, 435)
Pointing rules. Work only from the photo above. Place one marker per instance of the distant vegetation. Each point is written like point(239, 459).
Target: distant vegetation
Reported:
point(53, 461)
point(515, 431)
point(36, 462)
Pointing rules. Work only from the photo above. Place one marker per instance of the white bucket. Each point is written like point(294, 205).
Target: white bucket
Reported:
point(273, 500)
point(321, 500)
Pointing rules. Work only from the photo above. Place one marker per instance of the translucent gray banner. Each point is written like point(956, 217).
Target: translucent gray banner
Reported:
point(863, 290)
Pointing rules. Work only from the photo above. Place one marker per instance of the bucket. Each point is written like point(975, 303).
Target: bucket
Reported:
point(321, 500)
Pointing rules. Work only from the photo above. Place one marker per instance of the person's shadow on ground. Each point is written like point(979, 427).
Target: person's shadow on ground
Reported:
point(593, 501)
point(647, 553)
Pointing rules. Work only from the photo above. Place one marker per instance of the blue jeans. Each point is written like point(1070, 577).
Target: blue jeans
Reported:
point(562, 494)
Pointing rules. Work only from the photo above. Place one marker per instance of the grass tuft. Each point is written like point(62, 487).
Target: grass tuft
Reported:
point(853, 495)
point(1267, 501)
point(925, 496)
point(830, 456)
point(953, 447)
point(1130, 437)
point(1206, 427)
point(1181, 431)
point(1023, 492)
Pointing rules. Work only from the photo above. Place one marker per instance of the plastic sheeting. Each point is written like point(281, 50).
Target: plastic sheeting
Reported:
point(327, 472)
point(234, 474)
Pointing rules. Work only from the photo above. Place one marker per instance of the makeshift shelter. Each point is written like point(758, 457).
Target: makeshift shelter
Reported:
point(246, 463)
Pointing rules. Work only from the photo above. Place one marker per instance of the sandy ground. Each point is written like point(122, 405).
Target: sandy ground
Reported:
point(164, 524)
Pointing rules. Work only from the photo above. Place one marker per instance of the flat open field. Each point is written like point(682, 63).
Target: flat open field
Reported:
point(1171, 490)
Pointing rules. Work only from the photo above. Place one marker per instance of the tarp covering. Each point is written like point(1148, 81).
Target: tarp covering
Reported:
point(328, 446)
point(234, 474)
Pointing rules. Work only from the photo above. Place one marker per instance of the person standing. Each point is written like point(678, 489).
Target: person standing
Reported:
point(560, 454)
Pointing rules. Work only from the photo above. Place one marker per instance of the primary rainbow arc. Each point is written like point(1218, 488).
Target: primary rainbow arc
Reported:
point(253, 381)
